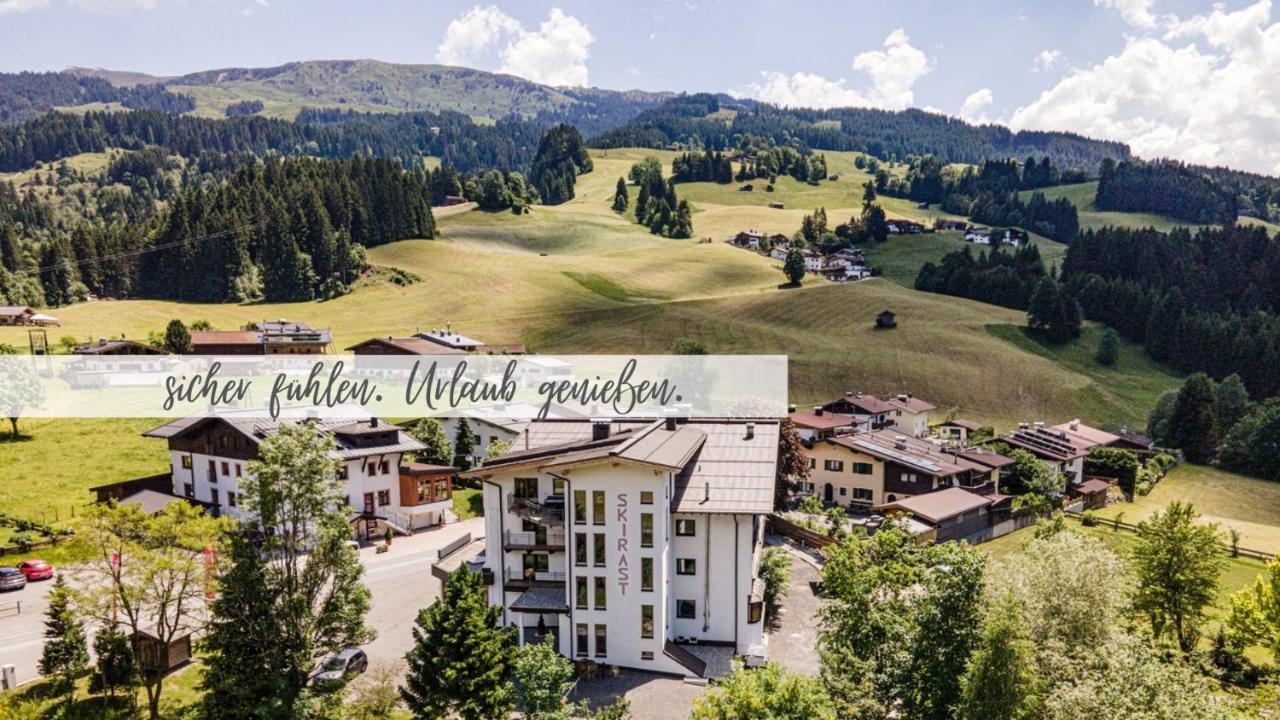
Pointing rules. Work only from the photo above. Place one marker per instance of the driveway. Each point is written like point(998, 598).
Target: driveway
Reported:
point(653, 697)
point(793, 639)
point(400, 580)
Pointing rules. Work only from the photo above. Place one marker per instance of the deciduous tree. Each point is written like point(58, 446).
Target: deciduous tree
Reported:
point(768, 692)
point(1177, 562)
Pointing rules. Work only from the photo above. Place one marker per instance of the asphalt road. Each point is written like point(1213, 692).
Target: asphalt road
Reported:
point(400, 580)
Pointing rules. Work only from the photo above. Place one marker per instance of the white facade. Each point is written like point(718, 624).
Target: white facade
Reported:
point(596, 552)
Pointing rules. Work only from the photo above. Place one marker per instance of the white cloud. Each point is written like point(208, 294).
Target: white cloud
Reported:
point(974, 107)
point(1135, 12)
point(17, 6)
point(893, 72)
point(1205, 92)
point(554, 54)
point(1046, 60)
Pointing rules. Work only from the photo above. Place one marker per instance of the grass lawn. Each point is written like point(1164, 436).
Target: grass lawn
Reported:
point(36, 700)
point(1091, 218)
point(468, 502)
point(1249, 505)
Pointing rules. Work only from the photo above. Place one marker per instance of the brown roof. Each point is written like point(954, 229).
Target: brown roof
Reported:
point(869, 404)
point(910, 403)
point(984, 457)
point(225, 337)
point(913, 453)
point(416, 468)
point(969, 425)
point(113, 347)
point(1050, 443)
point(1090, 434)
point(937, 506)
point(1092, 486)
point(256, 426)
point(411, 346)
point(825, 421)
point(11, 310)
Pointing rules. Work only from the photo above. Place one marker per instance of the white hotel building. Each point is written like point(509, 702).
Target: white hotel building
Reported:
point(211, 455)
point(633, 544)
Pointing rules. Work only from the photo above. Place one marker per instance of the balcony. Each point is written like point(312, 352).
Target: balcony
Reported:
point(550, 511)
point(548, 539)
point(523, 580)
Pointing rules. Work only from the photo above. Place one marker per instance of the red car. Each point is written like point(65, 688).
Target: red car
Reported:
point(36, 569)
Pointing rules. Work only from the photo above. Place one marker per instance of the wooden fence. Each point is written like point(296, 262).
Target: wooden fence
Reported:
point(1130, 527)
point(803, 535)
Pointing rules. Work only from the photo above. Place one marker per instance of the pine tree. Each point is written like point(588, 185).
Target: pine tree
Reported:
point(1193, 425)
point(66, 652)
point(116, 667)
point(463, 659)
point(176, 338)
point(243, 657)
point(1108, 348)
point(1231, 402)
point(620, 198)
point(464, 444)
point(793, 266)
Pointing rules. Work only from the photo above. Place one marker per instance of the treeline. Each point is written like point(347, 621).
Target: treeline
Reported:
point(244, 107)
point(693, 121)
point(989, 193)
point(1208, 301)
point(1165, 187)
point(452, 137)
point(282, 230)
point(999, 277)
point(561, 157)
point(26, 95)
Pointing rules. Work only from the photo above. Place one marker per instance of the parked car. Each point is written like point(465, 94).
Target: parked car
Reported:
point(11, 578)
point(340, 666)
point(36, 569)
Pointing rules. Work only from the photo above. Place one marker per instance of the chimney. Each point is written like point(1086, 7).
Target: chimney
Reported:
point(1022, 426)
point(900, 442)
point(670, 424)
point(817, 410)
point(373, 422)
point(599, 429)
point(1075, 424)
point(791, 409)
point(751, 430)
point(1039, 424)
point(902, 398)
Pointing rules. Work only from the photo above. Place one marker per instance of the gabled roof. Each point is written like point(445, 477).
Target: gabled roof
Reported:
point(410, 346)
point(825, 421)
point(939, 505)
point(969, 425)
point(256, 426)
point(863, 402)
point(225, 337)
point(984, 457)
point(1089, 434)
point(720, 466)
point(910, 403)
point(113, 347)
point(14, 310)
point(1050, 443)
point(909, 452)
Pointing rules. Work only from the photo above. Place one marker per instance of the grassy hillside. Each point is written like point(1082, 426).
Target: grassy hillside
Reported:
point(1082, 195)
point(372, 86)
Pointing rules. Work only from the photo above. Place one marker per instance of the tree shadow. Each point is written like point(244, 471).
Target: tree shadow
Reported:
point(11, 438)
point(789, 286)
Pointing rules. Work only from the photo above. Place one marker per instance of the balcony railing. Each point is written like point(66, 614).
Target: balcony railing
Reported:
point(548, 511)
point(544, 578)
point(549, 539)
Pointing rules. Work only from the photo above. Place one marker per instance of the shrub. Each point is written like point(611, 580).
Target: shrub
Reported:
point(23, 541)
point(1089, 518)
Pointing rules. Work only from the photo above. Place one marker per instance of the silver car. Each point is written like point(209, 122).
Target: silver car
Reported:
point(11, 578)
point(340, 666)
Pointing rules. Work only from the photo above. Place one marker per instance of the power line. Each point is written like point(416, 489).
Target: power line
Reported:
point(153, 248)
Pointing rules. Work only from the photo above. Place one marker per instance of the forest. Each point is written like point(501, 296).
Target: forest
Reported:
point(26, 95)
point(1165, 187)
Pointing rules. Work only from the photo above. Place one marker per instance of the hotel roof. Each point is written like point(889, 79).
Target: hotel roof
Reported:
point(348, 432)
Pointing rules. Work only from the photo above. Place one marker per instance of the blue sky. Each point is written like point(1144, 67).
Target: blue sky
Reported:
point(1171, 77)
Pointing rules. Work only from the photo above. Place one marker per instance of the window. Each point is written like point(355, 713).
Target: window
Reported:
point(186, 462)
point(557, 485)
point(646, 574)
point(646, 621)
point(686, 609)
point(844, 491)
point(238, 473)
point(602, 641)
point(755, 611)
point(580, 506)
point(646, 530)
point(580, 549)
point(226, 468)
point(583, 639)
point(384, 497)
point(384, 467)
point(527, 488)
point(580, 592)
point(597, 507)
point(598, 541)
point(537, 563)
point(368, 502)
point(342, 473)
point(213, 471)
point(686, 528)
point(602, 594)
point(189, 490)
point(861, 468)
point(231, 499)
point(686, 566)
point(862, 494)
point(213, 496)
point(833, 465)
point(646, 497)
point(646, 654)
point(813, 463)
